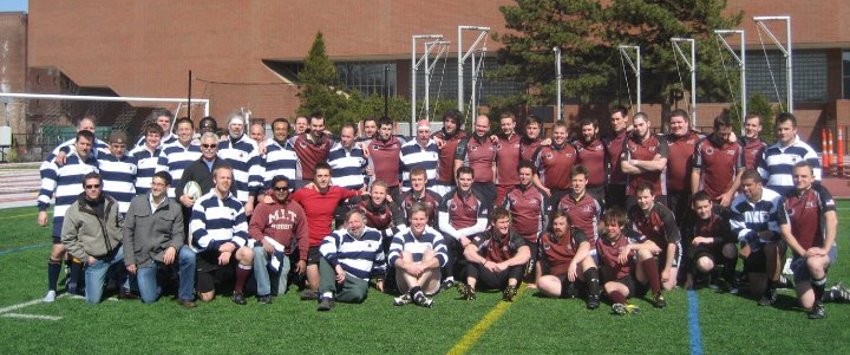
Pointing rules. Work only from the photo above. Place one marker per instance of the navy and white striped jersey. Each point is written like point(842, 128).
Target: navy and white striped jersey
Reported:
point(413, 155)
point(148, 163)
point(65, 183)
point(167, 140)
point(348, 166)
point(280, 160)
point(748, 218)
point(175, 158)
point(360, 257)
point(777, 163)
point(119, 179)
point(405, 241)
point(216, 221)
point(244, 157)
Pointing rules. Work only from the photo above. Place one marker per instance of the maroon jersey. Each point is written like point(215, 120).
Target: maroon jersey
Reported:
point(462, 209)
point(384, 157)
point(594, 157)
point(636, 149)
point(609, 253)
point(556, 254)
point(528, 148)
point(499, 248)
point(445, 167)
point(311, 152)
point(614, 147)
point(478, 153)
point(805, 212)
point(584, 213)
point(529, 207)
point(507, 159)
point(555, 164)
point(752, 151)
point(386, 217)
point(714, 227)
point(659, 225)
point(680, 154)
point(718, 162)
point(430, 199)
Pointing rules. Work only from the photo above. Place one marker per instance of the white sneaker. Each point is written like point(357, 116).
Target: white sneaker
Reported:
point(50, 296)
point(402, 300)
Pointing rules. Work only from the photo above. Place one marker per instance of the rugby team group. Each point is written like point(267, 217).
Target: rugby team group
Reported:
point(594, 215)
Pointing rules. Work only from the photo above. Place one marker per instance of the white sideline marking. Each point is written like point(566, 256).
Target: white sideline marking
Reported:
point(31, 316)
point(26, 304)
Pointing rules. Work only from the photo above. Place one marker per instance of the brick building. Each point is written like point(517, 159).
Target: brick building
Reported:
point(245, 53)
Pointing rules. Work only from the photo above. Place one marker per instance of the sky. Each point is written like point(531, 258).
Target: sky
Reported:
point(13, 5)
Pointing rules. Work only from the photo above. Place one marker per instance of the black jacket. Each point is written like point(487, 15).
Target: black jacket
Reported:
point(198, 172)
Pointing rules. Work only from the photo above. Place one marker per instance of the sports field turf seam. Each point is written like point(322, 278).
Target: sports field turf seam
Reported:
point(693, 323)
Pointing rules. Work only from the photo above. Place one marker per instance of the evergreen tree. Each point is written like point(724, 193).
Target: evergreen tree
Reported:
point(320, 88)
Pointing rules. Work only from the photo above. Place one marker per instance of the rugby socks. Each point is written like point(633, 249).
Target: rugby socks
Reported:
point(650, 268)
point(729, 265)
point(242, 273)
point(53, 269)
point(818, 287)
point(414, 290)
point(617, 297)
point(591, 276)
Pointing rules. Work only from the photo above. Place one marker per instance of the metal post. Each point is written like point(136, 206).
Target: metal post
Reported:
point(386, 91)
point(786, 51)
point(741, 59)
point(692, 66)
point(189, 99)
point(635, 65)
point(462, 55)
point(414, 67)
point(429, 70)
point(558, 78)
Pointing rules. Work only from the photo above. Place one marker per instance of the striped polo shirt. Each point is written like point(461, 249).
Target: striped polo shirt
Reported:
point(65, 183)
point(406, 241)
point(216, 221)
point(243, 156)
point(119, 178)
point(413, 155)
point(280, 160)
point(360, 257)
point(176, 157)
point(777, 163)
point(750, 218)
point(148, 163)
point(348, 166)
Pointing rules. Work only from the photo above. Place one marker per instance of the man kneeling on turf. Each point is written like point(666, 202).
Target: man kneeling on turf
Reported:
point(219, 231)
point(418, 253)
point(350, 257)
point(497, 257)
point(91, 233)
point(808, 223)
point(658, 265)
point(712, 242)
point(153, 237)
point(616, 250)
point(564, 259)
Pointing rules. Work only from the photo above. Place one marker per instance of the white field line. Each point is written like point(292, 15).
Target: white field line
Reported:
point(31, 316)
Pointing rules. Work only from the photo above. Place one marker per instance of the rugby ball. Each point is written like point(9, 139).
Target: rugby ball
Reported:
point(193, 190)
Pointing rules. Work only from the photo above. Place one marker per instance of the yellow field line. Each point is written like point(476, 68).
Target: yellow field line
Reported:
point(471, 337)
point(19, 216)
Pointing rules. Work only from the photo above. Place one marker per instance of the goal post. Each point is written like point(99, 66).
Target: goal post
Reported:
point(39, 122)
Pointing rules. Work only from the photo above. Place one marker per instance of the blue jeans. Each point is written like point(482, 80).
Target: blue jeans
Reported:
point(150, 290)
point(96, 274)
point(261, 272)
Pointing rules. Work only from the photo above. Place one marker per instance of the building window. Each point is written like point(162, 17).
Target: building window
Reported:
point(845, 74)
point(368, 77)
point(444, 82)
point(809, 69)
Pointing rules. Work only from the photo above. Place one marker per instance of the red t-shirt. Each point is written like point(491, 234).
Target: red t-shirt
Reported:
point(614, 147)
point(319, 209)
point(529, 207)
point(805, 212)
point(584, 213)
point(480, 155)
point(311, 153)
point(594, 157)
point(385, 158)
point(752, 151)
point(645, 150)
point(557, 254)
point(445, 168)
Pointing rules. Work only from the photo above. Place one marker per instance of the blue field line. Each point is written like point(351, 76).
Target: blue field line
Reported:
point(23, 248)
point(693, 323)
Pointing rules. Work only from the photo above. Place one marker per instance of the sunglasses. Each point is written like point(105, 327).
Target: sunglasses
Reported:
point(95, 186)
point(209, 146)
point(281, 189)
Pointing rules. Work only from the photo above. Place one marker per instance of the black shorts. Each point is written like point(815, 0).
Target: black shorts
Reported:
point(677, 257)
point(710, 251)
point(629, 282)
point(209, 272)
point(757, 262)
point(572, 289)
point(313, 256)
